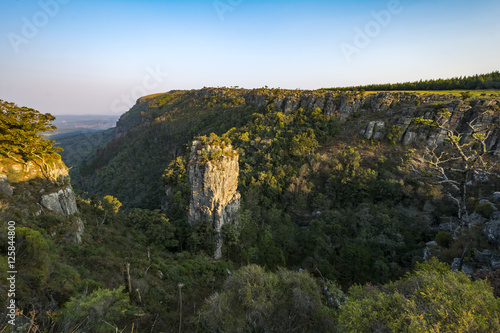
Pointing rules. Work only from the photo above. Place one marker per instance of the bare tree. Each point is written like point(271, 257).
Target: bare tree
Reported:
point(453, 164)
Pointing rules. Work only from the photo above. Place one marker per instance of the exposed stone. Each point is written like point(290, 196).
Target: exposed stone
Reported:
point(409, 137)
point(491, 228)
point(431, 249)
point(214, 183)
point(374, 129)
point(483, 257)
point(64, 202)
point(475, 219)
point(5, 187)
point(486, 202)
point(466, 268)
point(495, 197)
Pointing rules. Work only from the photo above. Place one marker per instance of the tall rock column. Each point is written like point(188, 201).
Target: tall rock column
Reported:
point(213, 176)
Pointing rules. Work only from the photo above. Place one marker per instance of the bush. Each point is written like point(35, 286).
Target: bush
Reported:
point(443, 239)
point(254, 300)
point(432, 299)
point(90, 312)
point(485, 210)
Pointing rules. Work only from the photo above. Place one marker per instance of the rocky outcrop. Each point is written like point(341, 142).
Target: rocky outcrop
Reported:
point(213, 177)
point(64, 202)
point(374, 130)
point(399, 115)
point(54, 194)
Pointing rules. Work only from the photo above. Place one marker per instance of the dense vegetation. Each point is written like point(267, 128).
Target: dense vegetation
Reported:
point(323, 210)
point(475, 82)
point(20, 136)
point(81, 147)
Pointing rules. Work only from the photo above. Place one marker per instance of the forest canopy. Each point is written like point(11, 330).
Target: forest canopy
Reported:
point(21, 138)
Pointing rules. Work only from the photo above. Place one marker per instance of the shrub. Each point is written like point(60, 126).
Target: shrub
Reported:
point(485, 210)
point(443, 239)
point(254, 300)
point(91, 311)
point(432, 299)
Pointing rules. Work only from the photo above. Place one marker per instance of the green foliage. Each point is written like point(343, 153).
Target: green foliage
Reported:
point(366, 243)
point(485, 210)
point(155, 226)
point(97, 312)
point(394, 133)
point(111, 204)
point(33, 252)
point(20, 135)
point(443, 238)
point(255, 300)
point(483, 81)
point(433, 298)
point(79, 149)
point(466, 95)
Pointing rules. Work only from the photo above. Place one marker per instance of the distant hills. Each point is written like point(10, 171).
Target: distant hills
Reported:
point(79, 124)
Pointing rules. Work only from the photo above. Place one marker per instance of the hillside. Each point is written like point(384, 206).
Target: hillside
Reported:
point(265, 210)
point(306, 158)
point(161, 127)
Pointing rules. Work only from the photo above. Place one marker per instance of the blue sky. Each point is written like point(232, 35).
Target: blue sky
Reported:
point(82, 57)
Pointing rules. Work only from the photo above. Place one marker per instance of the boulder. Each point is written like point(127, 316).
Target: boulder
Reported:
point(62, 202)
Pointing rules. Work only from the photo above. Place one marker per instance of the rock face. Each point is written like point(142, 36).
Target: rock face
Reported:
point(392, 112)
point(55, 194)
point(213, 177)
point(62, 202)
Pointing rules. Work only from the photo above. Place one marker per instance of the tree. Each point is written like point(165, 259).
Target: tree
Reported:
point(96, 312)
point(453, 164)
point(432, 299)
point(155, 226)
point(103, 209)
point(20, 138)
point(254, 300)
point(466, 95)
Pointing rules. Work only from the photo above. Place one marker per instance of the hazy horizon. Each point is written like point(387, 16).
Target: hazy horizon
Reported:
point(98, 57)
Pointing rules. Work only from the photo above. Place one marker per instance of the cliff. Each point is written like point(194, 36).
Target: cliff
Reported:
point(159, 128)
point(27, 191)
point(213, 178)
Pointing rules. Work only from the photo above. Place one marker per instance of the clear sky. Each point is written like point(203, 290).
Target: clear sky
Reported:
point(98, 56)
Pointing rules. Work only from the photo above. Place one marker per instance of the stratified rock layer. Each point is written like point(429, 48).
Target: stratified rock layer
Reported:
point(214, 182)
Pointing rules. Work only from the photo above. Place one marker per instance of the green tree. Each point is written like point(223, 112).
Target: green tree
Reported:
point(254, 300)
point(98, 312)
point(466, 95)
point(155, 226)
point(20, 135)
point(432, 299)
point(104, 208)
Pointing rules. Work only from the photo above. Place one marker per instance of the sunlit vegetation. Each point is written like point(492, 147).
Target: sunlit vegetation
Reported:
point(323, 211)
